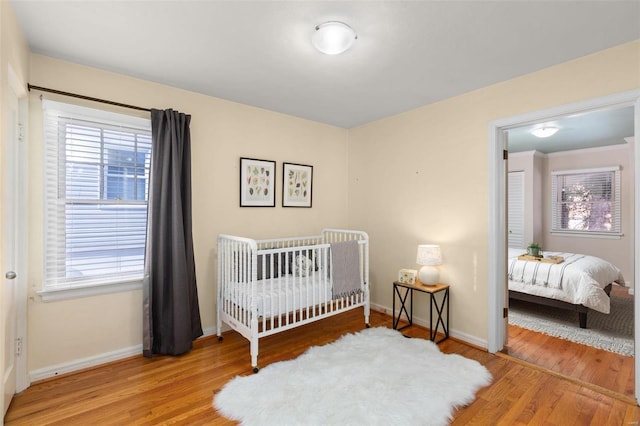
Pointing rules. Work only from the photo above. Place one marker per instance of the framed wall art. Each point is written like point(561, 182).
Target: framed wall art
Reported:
point(297, 182)
point(407, 276)
point(257, 183)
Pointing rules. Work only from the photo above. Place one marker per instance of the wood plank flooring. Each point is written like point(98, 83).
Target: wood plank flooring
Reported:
point(601, 368)
point(179, 390)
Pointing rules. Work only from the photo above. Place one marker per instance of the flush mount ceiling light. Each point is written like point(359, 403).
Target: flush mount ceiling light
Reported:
point(544, 132)
point(333, 37)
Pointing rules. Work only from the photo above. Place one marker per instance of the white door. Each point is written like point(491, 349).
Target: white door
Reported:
point(10, 290)
point(515, 214)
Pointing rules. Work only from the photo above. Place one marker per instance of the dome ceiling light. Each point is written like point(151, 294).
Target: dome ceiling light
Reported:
point(333, 37)
point(544, 132)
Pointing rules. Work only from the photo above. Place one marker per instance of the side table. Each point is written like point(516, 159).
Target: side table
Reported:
point(432, 290)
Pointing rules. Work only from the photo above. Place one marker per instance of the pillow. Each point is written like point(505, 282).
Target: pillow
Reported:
point(288, 261)
point(302, 266)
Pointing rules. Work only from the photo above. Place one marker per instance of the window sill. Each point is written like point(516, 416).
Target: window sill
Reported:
point(51, 295)
point(612, 236)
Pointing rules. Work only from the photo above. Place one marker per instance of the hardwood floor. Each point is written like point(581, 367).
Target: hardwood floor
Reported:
point(601, 368)
point(179, 390)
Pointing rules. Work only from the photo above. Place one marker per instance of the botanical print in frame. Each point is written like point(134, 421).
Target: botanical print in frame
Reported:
point(297, 180)
point(257, 183)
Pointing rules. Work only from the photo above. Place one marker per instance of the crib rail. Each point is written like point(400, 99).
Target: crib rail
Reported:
point(268, 286)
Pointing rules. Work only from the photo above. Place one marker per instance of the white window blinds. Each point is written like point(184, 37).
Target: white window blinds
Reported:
point(96, 186)
point(586, 201)
point(515, 216)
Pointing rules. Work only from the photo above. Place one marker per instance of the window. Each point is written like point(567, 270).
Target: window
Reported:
point(96, 189)
point(586, 201)
point(126, 175)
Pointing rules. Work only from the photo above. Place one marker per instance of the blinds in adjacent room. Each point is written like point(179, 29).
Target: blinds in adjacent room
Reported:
point(515, 216)
point(586, 201)
point(96, 185)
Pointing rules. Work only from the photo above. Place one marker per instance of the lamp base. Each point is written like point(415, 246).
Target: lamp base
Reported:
point(429, 275)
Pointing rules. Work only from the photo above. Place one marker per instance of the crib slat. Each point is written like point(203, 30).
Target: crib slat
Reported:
point(282, 300)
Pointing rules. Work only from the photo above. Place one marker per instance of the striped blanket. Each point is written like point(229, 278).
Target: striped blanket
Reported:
point(542, 273)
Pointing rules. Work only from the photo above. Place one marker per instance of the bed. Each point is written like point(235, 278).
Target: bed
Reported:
point(272, 285)
point(579, 283)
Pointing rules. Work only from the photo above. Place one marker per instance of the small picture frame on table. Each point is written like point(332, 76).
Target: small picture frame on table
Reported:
point(257, 183)
point(407, 276)
point(297, 182)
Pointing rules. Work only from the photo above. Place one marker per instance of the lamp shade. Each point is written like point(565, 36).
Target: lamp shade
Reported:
point(429, 255)
point(333, 37)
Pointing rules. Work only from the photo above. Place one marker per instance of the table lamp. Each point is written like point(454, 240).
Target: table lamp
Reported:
point(429, 256)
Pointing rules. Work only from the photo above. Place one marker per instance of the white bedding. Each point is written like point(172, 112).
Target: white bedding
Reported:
point(287, 293)
point(581, 279)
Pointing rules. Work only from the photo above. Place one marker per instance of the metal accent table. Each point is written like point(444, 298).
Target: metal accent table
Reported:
point(432, 290)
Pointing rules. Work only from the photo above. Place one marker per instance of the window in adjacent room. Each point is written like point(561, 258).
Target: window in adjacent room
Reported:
point(96, 192)
point(586, 201)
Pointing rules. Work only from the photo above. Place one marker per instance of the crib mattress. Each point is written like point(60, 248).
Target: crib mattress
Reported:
point(285, 294)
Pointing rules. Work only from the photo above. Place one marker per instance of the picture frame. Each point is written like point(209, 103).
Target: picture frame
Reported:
point(257, 182)
point(407, 276)
point(297, 185)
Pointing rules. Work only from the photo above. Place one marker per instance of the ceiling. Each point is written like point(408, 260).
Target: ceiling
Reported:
point(408, 53)
point(585, 130)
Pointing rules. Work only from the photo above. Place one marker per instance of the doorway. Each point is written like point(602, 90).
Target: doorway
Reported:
point(498, 234)
point(574, 159)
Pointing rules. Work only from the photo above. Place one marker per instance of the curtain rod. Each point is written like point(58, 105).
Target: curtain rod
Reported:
point(87, 98)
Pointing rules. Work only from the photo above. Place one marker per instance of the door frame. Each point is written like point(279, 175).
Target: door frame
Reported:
point(497, 210)
point(20, 90)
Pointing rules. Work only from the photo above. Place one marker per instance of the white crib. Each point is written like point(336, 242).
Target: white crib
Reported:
point(269, 286)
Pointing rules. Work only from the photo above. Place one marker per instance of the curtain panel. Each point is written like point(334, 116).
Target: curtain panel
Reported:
point(170, 297)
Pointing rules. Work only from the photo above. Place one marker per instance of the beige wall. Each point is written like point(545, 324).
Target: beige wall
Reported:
point(63, 331)
point(422, 176)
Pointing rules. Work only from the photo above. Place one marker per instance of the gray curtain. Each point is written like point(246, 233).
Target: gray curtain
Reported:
point(170, 297)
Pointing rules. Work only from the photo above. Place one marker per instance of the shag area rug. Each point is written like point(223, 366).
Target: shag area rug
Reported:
point(373, 377)
point(612, 332)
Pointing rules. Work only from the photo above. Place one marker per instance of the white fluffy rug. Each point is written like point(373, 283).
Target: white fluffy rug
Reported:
point(374, 377)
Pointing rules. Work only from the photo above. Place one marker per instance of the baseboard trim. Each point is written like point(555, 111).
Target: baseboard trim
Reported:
point(464, 337)
point(94, 361)
point(83, 363)
point(117, 355)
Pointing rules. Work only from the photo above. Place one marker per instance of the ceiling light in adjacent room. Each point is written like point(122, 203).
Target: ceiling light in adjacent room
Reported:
point(333, 37)
point(544, 132)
